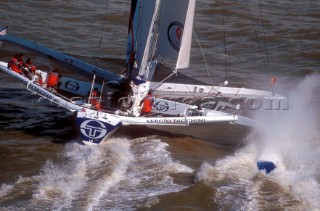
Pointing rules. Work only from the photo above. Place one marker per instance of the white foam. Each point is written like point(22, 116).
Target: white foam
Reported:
point(81, 172)
point(5, 189)
point(119, 174)
point(241, 165)
point(147, 177)
point(295, 138)
point(124, 157)
point(291, 140)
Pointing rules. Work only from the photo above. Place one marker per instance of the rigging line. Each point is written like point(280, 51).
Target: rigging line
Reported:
point(205, 61)
point(260, 47)
point(225, 43)
point(169, 76)
point(207, 68)
point(101, 36)
point(256, 34)
point(259, 44)
point(266, 46)
point(225, 60)
point(204, 58)
point(98, 56)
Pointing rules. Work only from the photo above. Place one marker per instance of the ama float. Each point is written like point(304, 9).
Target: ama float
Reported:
point(159, 31)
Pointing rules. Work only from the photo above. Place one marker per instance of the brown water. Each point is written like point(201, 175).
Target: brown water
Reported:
point(43, 166)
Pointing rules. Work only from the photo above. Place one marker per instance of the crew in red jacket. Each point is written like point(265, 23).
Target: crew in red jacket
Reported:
point(14, 64)
point(53, 79)
point(147, 104)
point(95, 99)
point(30, 67)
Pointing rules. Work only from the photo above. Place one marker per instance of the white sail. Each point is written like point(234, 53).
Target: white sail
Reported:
point(174, 24)
point(184, 53)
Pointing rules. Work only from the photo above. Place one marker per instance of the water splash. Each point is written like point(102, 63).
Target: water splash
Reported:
point(297, 136)
point(5, 189)
point(290, 139)
point(91, 170)
point(148, 176)
point(120, 174)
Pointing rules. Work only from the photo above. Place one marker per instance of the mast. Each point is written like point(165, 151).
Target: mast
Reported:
point(144, 73)
point(140, 33)
point(132, 33)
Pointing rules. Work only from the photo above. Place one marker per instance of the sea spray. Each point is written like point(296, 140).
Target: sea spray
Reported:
point(91, 170)
point(290, 138)
point(298, 138)
point(147, 177)
point(119, 174)
point(122, 156)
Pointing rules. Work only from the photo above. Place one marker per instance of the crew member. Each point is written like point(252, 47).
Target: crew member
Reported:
point(95, 99)
point(53, 79)
point(147, 104)
point(14, 64)
point(20, 60)
point(30, 67)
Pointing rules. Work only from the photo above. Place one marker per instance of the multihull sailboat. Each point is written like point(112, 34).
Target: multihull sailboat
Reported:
point(159, 30)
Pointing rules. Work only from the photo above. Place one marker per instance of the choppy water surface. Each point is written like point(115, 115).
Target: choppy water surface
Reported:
point(43, 166)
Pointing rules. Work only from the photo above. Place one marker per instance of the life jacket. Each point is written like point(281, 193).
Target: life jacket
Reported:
point(93, 98)
point(147, 104)
point(52, 79)
point(20, 63)
point(31, 68)
point(14, 65)
point(98, 106)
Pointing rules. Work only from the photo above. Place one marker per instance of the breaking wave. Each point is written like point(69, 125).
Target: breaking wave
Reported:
point(119, 174)
point(291, 140)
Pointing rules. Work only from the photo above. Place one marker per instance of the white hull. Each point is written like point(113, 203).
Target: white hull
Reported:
point(37, 89)
point(214, 126)
point(224, 133)
point(221, 128)
point(96, 126)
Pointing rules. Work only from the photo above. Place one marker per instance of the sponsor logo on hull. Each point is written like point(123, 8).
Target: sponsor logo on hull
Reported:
point(93, 131)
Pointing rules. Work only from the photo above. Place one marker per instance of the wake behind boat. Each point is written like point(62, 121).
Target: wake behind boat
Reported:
point(159, 31)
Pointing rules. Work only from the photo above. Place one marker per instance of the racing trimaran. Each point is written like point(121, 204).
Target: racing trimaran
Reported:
point(159, 30)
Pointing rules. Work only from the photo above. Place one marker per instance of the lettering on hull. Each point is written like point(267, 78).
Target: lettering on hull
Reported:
point(38, 90)
point(175, 121)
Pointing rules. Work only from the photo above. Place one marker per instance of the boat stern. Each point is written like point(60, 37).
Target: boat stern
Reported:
point(94, 130)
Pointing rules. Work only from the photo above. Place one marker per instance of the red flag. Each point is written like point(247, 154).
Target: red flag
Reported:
point(273, 80)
